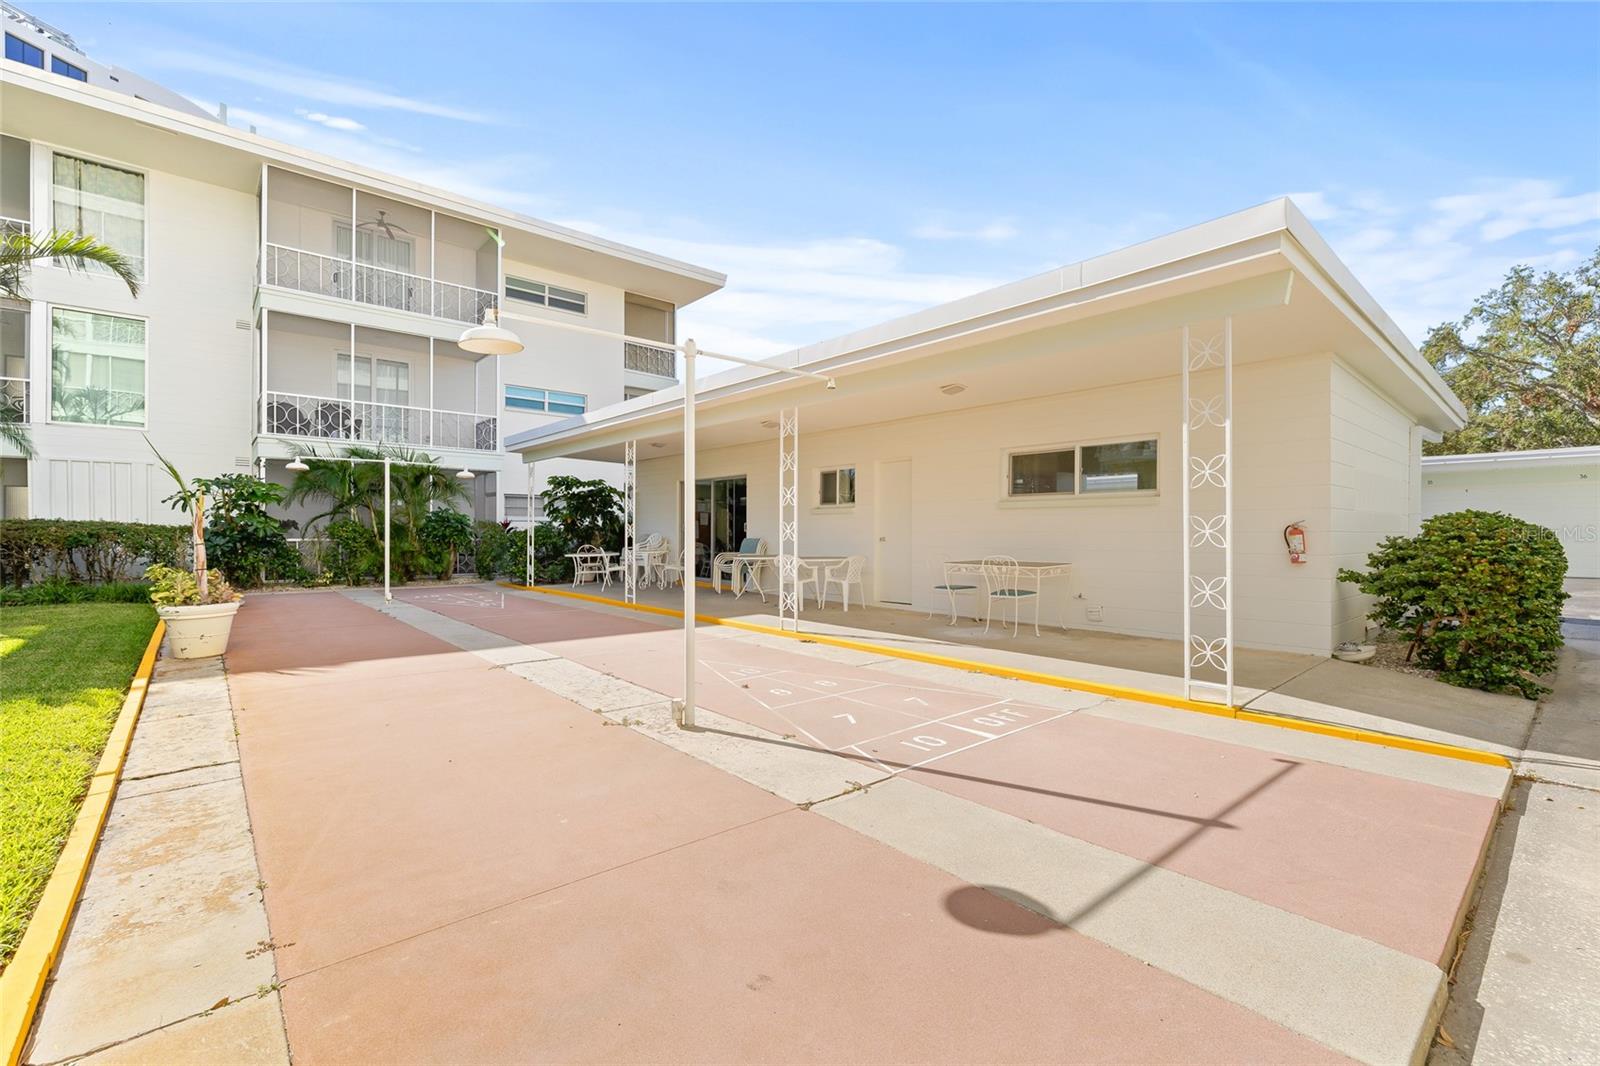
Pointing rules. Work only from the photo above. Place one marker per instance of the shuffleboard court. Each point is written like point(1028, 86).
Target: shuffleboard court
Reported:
point(1387, 859)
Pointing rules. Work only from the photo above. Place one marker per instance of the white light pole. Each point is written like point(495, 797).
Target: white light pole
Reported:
point(491, 338)
point(298, 464)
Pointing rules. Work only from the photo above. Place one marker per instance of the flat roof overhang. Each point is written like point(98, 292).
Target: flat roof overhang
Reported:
point(43, 107)
point(1107, 321)
point(1541, 457)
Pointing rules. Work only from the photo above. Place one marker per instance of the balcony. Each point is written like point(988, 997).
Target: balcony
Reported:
point(347, 244)
point(345, 279)
point(648, 359)
point(328, 418)
point(8, 226)
point(399, 388)
point(14, 400)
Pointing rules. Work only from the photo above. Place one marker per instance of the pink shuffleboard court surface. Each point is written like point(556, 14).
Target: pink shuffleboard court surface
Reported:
point(1383, 858)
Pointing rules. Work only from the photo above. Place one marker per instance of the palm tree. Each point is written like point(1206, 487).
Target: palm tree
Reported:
point(18, 251)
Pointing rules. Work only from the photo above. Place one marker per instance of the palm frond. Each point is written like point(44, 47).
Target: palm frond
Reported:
point(16, 434)
point(75, 250)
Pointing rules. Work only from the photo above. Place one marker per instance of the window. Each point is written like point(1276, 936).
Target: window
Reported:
point(517, 508)
point(97, 368)
point(21, 51)
point(376, 380)
point(375, 248)
point(1127, 466)
point(107, 202)
point(1043, 473)
point(67, 70)
point(537, 292)
point(1117, 467)
point(837, 487)
point(522, 398)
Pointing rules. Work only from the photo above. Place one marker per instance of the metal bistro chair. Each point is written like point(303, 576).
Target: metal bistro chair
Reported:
point(590, 562)
point(953, 583)
point(1001, 579)
point(672, 569)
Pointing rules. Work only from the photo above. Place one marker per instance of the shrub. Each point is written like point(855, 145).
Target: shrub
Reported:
point(584, 511)
point(354, 555)
point(243, 541)
point(444, 534)
point(171, 587)
point(500, 550)
point(85, 551)
point(550, 547)
point(1480, 593)
point(57, 590)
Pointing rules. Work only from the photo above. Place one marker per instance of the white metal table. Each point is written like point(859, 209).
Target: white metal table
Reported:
point(751, 562)
point(605, 558)
point(1039, 571)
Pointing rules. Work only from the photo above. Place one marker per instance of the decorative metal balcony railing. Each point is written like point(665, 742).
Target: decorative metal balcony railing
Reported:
point(648, 359)
point(366, 422)
point(13, 399)
point(9, 225)
point(294, 268)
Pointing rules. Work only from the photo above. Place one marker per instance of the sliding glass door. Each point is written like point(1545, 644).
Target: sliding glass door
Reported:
point(720, 505)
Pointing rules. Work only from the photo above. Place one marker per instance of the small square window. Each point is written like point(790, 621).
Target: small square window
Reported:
point(1127, 466)
point(836, 487)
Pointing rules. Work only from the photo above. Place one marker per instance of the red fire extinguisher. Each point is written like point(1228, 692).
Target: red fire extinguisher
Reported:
point(1294, 536)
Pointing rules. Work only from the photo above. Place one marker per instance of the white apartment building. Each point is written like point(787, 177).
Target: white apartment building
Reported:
point(290, 301)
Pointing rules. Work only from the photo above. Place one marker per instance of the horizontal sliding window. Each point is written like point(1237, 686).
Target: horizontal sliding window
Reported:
point(67, 70)
point(1116, 467)
point(20, 51)
point(546, 295)
point(523, 398)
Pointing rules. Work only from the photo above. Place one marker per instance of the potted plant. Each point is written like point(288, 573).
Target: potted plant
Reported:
point(199, 607)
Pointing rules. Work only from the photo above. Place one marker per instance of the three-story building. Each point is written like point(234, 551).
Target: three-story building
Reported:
point(289, 301)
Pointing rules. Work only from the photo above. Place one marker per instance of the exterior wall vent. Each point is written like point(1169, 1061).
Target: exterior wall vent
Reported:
point(241, 323)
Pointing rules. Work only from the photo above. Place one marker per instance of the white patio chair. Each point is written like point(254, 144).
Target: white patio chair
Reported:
point(589, 564)
point(954, 583)
point(644, 555)
point(844, 573)
point(728, 564)
point(672, 569)
point(1002, 581)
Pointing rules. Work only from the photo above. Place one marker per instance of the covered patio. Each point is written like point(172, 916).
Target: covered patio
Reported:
point(1145, 427)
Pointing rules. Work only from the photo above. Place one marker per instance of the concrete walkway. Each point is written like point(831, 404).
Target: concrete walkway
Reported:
point(992, 871)
point(1529, 979)
point(168, 959)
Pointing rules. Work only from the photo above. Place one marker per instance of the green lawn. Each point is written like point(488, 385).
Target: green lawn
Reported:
point(63, 674)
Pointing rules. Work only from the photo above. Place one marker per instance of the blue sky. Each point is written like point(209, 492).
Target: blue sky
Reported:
point(843, 164)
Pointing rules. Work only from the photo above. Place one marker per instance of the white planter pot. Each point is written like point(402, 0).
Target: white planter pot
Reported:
point(201, 631)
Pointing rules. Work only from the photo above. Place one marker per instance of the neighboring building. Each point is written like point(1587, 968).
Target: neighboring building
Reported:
point(290, 301)
point(1045, 420)
point(1557, 488)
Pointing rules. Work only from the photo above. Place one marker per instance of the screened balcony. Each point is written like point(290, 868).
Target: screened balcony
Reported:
point(331, 382)
point(347, 244)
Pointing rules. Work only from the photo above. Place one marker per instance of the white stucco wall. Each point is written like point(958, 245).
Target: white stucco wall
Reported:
point(1562, 496)
point(1125, 552)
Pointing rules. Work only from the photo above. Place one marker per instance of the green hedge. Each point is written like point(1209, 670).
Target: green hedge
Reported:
point(85, 552)
point(54, 590)
point(1480, 594)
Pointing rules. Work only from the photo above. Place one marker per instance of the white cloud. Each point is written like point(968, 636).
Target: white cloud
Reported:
point(782, 295)
point(262, 73)
point(988, 232)
point(333, 122)
point(1426, 262)
point(1316, 205)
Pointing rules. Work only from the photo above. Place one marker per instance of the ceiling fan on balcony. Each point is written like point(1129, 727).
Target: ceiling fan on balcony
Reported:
point(384, 226)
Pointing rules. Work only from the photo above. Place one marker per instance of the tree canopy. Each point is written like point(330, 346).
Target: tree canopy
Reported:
point(1526, 362)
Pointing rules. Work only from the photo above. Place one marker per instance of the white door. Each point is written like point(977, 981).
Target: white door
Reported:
point(893, 510)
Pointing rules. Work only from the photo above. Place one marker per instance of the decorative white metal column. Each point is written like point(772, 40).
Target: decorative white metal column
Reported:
point(1208, 532)
point(789, 519)
point(528, 550)
point(630, 520)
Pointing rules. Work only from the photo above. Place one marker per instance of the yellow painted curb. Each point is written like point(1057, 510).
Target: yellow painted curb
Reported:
point(23, 982)
point(1160, 699)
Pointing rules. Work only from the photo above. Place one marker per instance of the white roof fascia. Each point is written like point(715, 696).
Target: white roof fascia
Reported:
point(1536, 456)
point(291, 157)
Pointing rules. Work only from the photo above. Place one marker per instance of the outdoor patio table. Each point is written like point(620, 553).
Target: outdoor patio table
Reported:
point(651, 562)
point(1039, 571)
point(752, 561)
